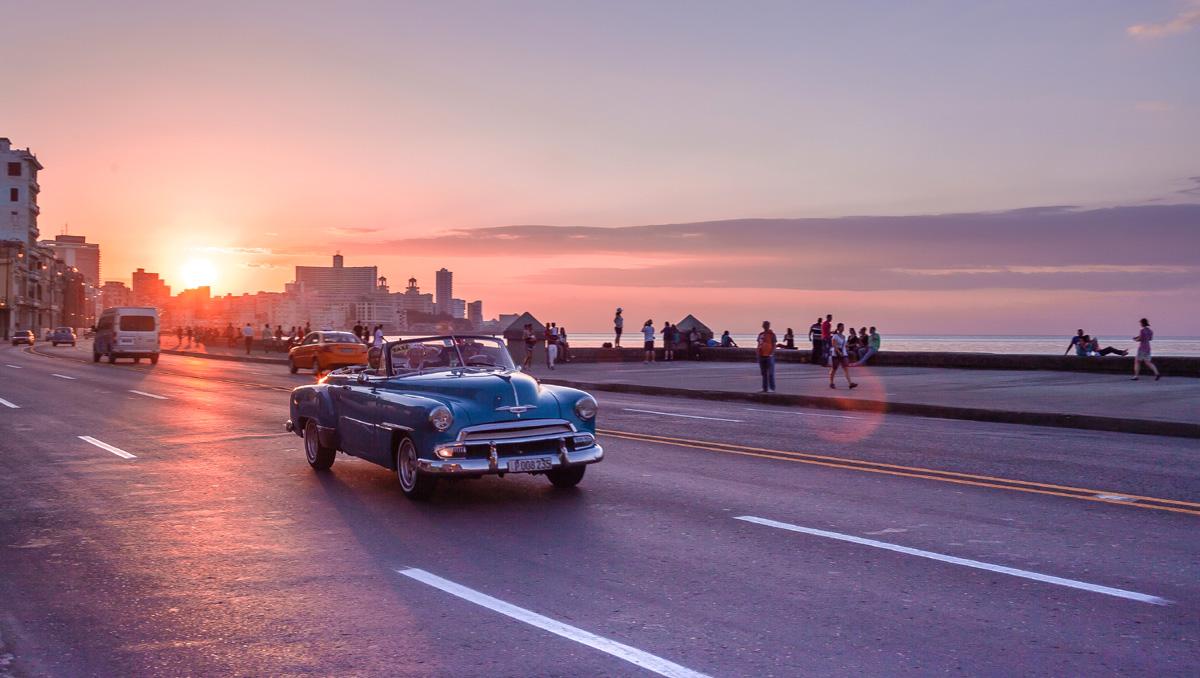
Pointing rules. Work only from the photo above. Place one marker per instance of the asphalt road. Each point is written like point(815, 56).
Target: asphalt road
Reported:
point(716, 538)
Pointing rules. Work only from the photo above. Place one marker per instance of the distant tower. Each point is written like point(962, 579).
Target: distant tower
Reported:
point(383, 286)
point(337, 260)
point(445, 291)
point(412, 287)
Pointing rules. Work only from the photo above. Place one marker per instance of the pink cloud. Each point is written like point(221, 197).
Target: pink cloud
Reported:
point(1181, 23)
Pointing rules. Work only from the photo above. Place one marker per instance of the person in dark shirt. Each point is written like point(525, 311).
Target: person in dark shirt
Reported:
point(789, 339)
point(814, 335)
point(1077, 343)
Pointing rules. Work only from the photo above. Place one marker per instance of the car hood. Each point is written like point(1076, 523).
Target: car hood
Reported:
point(481, 393)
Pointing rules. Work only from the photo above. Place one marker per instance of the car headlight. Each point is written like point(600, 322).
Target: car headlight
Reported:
point(586, 408)
point(441, 418)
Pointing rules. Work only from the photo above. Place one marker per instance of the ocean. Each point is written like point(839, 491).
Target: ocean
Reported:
point(1035, 344)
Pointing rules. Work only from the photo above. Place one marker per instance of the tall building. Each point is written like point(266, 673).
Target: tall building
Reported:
point(475, 313)
point(149, 289)
point(76, 252)
point(458, 308)
point(26, 281)
point(338, 283)
point(115, 293)
point(413, 300)
point(444, 291)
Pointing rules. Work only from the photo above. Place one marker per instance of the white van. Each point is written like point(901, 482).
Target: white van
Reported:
point(127, 332)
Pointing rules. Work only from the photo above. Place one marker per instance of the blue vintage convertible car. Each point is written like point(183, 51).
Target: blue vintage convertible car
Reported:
point(447, 407)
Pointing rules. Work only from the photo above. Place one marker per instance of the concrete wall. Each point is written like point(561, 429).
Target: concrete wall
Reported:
point(1173, 366)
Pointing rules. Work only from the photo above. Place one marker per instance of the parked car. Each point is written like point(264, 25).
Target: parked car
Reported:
point(447, 407)
point(22, 337)
point(62, 335)
point(126, 332)
point(324, 351)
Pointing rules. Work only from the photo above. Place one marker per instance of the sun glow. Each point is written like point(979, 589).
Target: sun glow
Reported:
point(198, 273)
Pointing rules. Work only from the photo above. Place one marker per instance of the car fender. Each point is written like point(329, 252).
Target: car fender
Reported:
point(407, 414)
point(314, 403)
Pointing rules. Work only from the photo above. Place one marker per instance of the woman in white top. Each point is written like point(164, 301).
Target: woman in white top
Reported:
point(648, 335)
point(378, 343)
point(839, 356)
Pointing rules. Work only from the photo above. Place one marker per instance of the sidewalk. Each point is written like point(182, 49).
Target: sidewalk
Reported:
point(1077, 400)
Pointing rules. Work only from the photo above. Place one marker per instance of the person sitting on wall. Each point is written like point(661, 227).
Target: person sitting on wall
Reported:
point(727, 341)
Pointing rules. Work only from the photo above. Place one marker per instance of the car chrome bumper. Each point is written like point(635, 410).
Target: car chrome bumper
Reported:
point(475, 467)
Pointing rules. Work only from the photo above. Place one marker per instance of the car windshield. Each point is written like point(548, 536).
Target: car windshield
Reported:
point(339, 338)
point(449, 353)
point(62, 329)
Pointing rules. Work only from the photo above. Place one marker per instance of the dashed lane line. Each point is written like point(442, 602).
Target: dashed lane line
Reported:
point(9, 404)
point(106, 447)
point(62, 376)
point(149, 395)
point(676, 414)
point(15, 367)
point(965, 562)
point(632, 655)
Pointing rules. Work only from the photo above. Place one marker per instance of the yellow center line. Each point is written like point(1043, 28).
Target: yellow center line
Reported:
point(909, 472)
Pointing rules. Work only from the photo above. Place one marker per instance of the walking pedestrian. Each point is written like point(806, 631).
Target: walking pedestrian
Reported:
point(564, 347)
point(838, 356)
point(766, 357)
point(648, 343)
point(668, 339)
point(693, 342)
point(378, 338)
point(266, 337)
point(190, 333)
point(618, 327)
point(530, 340)
point(1144, 337)
point(814, 335)
point(248, 337)
point(178, 337)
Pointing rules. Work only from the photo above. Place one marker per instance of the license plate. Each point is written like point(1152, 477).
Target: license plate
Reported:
point(526, 465)
point(346, 350)
point(126, 342)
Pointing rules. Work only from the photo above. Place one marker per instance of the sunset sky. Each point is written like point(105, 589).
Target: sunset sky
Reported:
point(1015, 167)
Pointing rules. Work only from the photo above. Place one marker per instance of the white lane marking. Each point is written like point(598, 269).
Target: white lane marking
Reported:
point(15, 367)
point(108, 448)
point(632, 655)
point(8, 404)
point(685, 416)
point(149, 395)
point(802, 414)
point(965, 562)
point(62, 376)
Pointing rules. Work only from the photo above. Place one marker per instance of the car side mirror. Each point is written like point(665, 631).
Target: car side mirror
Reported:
point(362, 377)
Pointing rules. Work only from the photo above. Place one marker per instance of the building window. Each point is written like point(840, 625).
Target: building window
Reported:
point(14, 194)
point(14, 169)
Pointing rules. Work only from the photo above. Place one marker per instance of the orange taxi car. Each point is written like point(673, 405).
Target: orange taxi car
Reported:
point(324, 351)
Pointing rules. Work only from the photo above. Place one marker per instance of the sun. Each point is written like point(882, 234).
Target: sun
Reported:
point(198, 273)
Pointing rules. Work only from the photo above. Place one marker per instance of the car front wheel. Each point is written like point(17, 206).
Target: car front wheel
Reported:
point(413, 483)
point(566, 477)
point(319, 457)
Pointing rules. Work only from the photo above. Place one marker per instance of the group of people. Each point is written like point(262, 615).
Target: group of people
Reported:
point(672, 339)
point(278, 338)
point(1087, 346)
point(369, 336)
point(831, 347)
point(831, 343)
point(557, 345)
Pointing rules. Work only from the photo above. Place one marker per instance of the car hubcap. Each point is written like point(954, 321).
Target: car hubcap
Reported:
point(408, 467)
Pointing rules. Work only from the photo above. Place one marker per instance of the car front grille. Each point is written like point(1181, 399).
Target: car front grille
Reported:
point(515, 439)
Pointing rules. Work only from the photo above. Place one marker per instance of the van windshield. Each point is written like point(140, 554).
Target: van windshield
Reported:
point(137, 323)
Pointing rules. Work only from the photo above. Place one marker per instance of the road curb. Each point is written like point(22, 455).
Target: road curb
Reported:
point(230, 358)
point(1053, 419)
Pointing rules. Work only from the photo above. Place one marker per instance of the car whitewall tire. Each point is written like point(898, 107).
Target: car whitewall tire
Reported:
point(413, 483)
